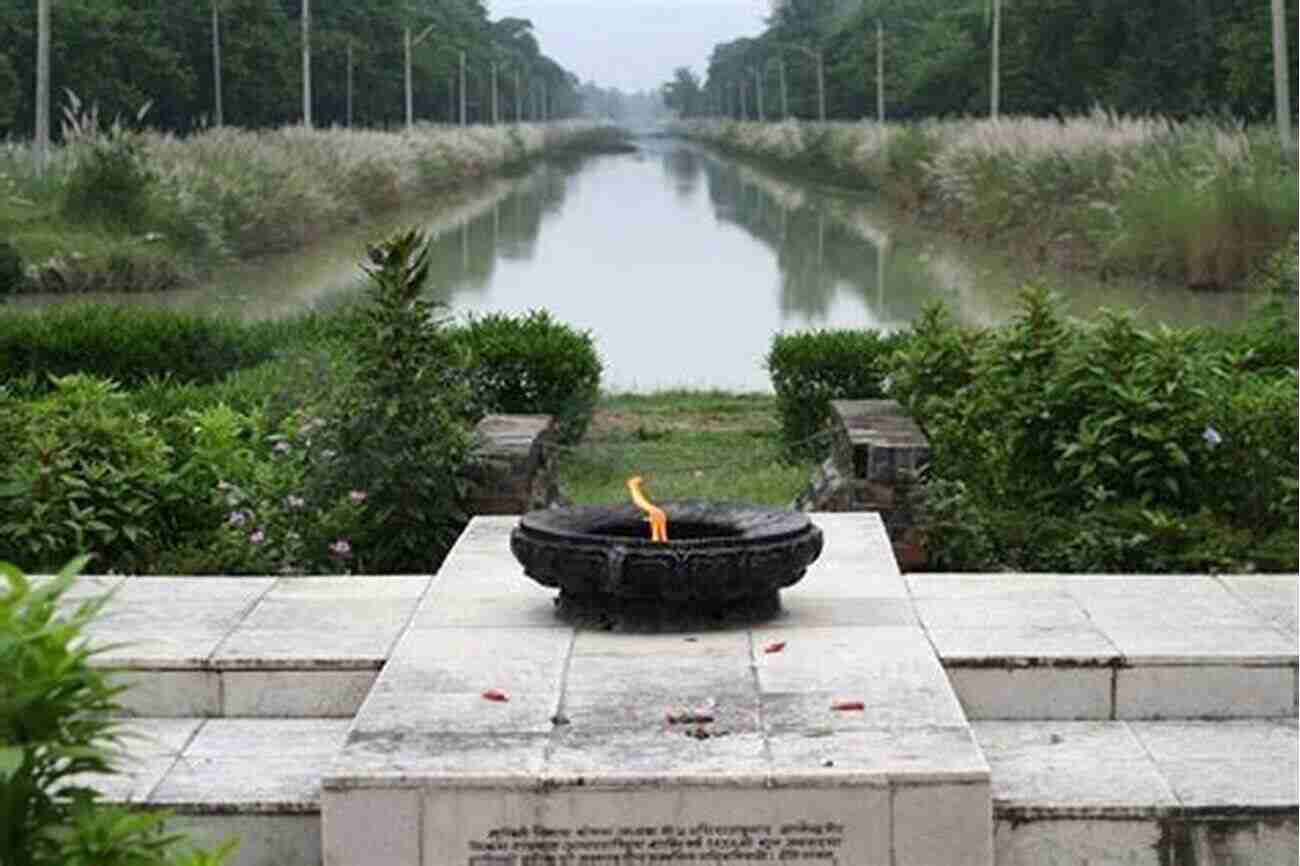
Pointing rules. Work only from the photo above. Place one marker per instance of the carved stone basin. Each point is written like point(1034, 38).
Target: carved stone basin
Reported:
point(723, 563)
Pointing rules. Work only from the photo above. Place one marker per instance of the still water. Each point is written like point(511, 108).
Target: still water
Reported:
point(682, 265)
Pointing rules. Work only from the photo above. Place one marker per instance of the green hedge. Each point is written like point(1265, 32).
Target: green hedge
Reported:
point(533, 364)
point(810, 369)
point(132, 345)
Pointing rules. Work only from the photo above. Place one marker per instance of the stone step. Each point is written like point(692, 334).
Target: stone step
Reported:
point(1114, 647)
point(1143, 793)
point(257, 779)
point(249, 646)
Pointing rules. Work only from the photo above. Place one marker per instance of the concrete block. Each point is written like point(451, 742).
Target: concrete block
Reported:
point(943, 823)
point(295, 693)
point(169, 693)
point(351, 822)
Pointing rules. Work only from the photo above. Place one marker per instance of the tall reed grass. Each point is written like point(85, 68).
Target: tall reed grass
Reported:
point(239, 192)
point(1199, 202)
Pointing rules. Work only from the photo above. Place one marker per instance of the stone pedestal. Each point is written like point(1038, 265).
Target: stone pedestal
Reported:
point(513, 469)
point(876, 452)
point(497, 734)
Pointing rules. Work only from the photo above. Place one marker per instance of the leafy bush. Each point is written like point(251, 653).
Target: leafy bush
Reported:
point(533, 364)
point(110, 181)
point(85, 474)
point(58, 732)
point(1101, 447)
point(399, 429)
point(11, 269)
point(810, 369)
point(132, 345)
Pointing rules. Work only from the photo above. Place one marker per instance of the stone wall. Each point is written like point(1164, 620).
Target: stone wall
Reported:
point(513, 468)
point(876, 452)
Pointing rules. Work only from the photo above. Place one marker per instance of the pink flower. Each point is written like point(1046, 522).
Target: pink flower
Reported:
point(341, 549)
point(258, 537)
point(358, 497)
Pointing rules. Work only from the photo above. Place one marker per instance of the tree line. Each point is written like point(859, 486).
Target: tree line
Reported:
point(1174, 57)
point(122, 54)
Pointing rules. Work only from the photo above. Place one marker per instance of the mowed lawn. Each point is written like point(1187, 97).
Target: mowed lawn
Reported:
point(685, 445)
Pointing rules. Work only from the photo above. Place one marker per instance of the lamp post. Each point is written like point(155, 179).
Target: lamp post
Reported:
point(306, 63)
point(410, 96)
point(1281, 86)
point(217, 118)
point(42, 144)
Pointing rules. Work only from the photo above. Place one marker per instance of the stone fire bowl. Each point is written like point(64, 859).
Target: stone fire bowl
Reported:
point(721, 558)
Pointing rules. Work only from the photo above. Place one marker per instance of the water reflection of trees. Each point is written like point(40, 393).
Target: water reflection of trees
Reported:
point(818, 251)
point(463, 256)
point(684, 166)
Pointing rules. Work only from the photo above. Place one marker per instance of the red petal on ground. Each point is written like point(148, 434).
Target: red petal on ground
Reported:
point(845, 706)
point(496, 695)
point(774, 647)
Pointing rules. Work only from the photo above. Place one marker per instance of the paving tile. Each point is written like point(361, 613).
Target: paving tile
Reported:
point(905, 755)
point(148, 748)
point(861, 656)
point(1074, 768)
point(1021, 645)
point(1275, 597)
point(1033, 692)
point(1165, 641)
point(253, 765)
point(457, 661)
point(304, 648)
point(656, 755)
point(1000, 613)
point(1203, 691)
point(420, 758)
point(978, 586)
point(1232, 764)
point(802, 610)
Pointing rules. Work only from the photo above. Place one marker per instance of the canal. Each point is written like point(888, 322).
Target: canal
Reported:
point(682, 264)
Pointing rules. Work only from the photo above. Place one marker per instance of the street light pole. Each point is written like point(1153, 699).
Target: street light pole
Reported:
point(306, 63)
point(462, 88)
point(410, 43)
point(42, 143)
point(1281, 86)
point(218, 118)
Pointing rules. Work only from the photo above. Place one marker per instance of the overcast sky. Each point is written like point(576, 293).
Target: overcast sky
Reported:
point(634, 44)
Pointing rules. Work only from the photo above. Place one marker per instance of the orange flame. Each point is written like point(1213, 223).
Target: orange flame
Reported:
point(658, 520)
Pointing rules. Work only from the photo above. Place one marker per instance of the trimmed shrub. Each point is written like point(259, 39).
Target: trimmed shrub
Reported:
point(133, 345)
point(810, 369)
point(533, 364)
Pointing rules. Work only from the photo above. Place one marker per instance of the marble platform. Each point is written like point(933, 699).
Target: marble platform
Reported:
point(590, 756)
point(1009, 719)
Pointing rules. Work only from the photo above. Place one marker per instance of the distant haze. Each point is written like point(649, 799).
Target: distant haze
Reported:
point(634, 44)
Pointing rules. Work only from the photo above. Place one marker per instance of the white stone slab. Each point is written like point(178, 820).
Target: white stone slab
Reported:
point(172, 622)
point(857, 560)
point(1076, 769)
point(943, 824)
point(1274, 597)
point(1222, 691)
point(295, 693)
point(1240, 765)
point(1023, 645)
point(1041, 692)
point(253, 766)
point(146, 751)
point(182, 693)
